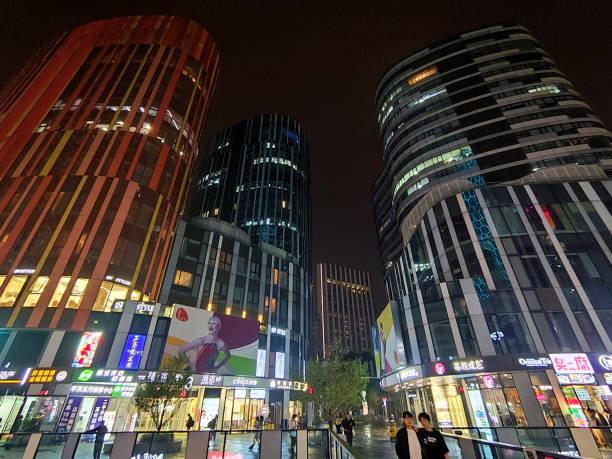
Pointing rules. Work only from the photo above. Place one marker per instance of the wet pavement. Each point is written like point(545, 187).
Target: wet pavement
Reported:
point(372, 441)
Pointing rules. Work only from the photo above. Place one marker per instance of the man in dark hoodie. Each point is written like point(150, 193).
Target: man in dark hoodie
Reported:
point(408, 442)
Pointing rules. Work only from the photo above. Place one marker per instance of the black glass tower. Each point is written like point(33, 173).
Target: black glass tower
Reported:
point(256, 175)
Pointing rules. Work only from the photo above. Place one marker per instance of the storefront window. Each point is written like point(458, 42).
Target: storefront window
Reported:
point(40, 414)
point(495, 401)
point(546, 398)
point(513, 400)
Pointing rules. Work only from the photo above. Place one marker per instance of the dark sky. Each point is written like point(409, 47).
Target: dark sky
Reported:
point(320, 62)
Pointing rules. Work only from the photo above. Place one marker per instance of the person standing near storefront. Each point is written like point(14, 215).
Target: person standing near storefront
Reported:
point(190, 422)
point(259, 424)
point(408, 442)
point(100, 432)
point(433, 441)
point(348, 424)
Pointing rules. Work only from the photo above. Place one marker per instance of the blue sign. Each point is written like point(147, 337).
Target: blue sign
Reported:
point(132, 352)
point(69, 414)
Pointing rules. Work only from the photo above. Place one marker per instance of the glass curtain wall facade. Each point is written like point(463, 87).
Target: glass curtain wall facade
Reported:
point(496, 184)
point(256, 175)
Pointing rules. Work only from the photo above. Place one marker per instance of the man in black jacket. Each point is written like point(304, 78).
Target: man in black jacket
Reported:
point(433, 441)
point(408, 442)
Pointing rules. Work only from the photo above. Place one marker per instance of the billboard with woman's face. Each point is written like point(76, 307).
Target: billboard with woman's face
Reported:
point(388, 346)
point(213, 342)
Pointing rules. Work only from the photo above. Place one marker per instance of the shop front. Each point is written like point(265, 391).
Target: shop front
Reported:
point(505, 391)
point(86, 396)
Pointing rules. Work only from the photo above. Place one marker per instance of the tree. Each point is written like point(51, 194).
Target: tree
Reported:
point(336, 382)
point(163, 393)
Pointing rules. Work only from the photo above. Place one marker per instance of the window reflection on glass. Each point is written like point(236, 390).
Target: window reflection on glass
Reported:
point(78, 290)
point(35, 291)
point(12, 290)
point(59, 291)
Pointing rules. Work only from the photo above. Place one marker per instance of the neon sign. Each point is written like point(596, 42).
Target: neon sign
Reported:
point(571, 363)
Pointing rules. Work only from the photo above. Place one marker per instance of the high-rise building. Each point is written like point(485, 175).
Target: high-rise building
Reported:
point(344, 308)
point(98, 137)
point(256, 175)
point(245, 251)
point(496, 188)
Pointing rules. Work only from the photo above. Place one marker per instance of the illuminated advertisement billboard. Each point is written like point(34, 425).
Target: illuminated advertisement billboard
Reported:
point(388, 346)
point(132, 352)
point(87, 349)
point(213, 342)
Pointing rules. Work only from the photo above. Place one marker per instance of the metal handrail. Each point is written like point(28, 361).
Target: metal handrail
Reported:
point(509, 446)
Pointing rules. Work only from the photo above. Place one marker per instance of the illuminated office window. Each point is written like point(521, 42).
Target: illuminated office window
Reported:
point(59, 291)
point(35, 291)
point(76, 296)
point(102, 296)
point(183, 278)
point(108, 294)
point(421, 76)
point(12, 290)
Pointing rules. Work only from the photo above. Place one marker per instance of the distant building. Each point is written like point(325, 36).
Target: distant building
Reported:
point(344, 308)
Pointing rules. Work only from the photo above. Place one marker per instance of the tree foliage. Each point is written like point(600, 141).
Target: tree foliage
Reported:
point(336, 382)
point(163, 393)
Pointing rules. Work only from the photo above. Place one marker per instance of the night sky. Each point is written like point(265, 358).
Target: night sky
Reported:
point(320, 62)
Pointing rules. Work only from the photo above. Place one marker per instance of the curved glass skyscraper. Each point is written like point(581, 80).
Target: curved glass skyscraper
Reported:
point(493, 217)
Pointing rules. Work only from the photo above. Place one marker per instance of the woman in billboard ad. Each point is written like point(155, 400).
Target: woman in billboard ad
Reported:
point(207, 349)
point(213, 342)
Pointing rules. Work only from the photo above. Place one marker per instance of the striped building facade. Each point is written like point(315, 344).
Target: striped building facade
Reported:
point(98, 135)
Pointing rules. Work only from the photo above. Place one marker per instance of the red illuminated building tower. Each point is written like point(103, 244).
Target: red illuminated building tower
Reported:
point(98, 135)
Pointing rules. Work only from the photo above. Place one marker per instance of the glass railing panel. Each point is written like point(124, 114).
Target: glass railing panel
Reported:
point(51, 446)
point(238, 444)
point(12, 446)
point(169, 445)
point(318, 442)
point(88, 447)
point(288, 444)
point(454, 450)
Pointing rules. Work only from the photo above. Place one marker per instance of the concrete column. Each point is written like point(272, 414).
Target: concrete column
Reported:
point(51, 348)
point(70, 446)
point(530, 404)
point(32, 446)
point(587, 447)
point(123, 445)
point(197, 445)
point(302, 444)
point(271, 443)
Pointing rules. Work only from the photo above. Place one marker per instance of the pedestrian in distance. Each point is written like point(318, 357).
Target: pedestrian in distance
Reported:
point(293, 426)
point(259, 423)
point(408, 442)
point(348, 424)
point(338, 425)
point(190, 422)
point(100, 432)
point(212, 425)
point(433, 441)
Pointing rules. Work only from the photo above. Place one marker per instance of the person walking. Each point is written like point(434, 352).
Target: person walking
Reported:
point(190, 422)
point(348, 424)
point(212, 425)
point(338, 424)
point(293, 426)
point(259, 422)
point(100, 432)
point(433, 441)
point(408, 442)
